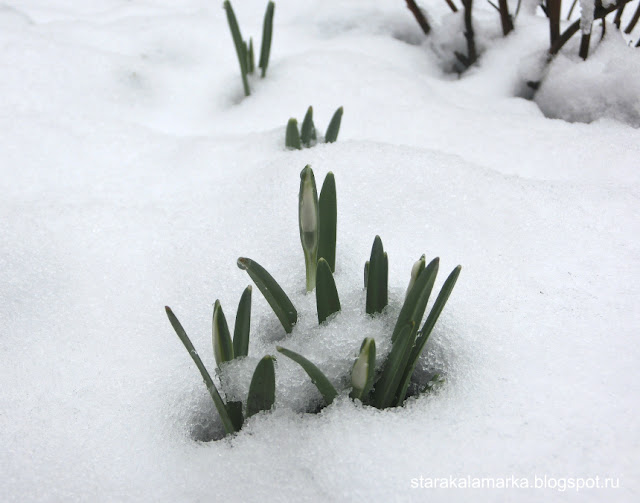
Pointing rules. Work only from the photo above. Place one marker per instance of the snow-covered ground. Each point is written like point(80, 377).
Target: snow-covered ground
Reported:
point(134, 173)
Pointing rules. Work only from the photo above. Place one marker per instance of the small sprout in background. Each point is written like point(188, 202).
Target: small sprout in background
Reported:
point(292, 137)
point(307, 136)
point(308, 223)
point(244, 49)
point(308, 131)
point(267, 35)
point(334, 127)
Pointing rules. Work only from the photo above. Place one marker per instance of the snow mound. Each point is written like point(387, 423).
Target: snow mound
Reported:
point(606, 85)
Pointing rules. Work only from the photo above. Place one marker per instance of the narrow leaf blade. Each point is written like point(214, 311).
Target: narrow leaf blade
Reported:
point(328, 216)
point(239, 44)
point(222, 345)
point(394, 366)
point(334, 127)
point(430, 322)
point(243, 325)
point(327, 300)
point(308, 129)
point(377, 277)
point(262, 390)
point(292, 136)
point(213, 391)
point(267, 35)
point(317, 377)
point(277, 299)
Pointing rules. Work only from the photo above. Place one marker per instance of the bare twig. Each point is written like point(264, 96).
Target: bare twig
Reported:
point(469, 34)
point(573, 5)
point(618, 19)
point(417, 13)
point(553, 13)
point(634, 21)
point(584, 45)
point(505, 17)
point(451, 5)
point(599, 13)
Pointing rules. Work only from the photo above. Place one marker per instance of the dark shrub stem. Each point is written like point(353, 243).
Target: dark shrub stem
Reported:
point(634, 20)
point(505, 17)
point(417, 13)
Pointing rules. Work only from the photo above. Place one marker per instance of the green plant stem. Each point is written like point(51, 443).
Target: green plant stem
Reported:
point(239, 43)
point(272, 291)
point(317, 377)
point(328, 219)
point(267, 35)
point(262, 390)
point(213, 391)
point(243, 325)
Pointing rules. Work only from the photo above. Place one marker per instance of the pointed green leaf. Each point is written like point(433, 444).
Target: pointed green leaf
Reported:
point(394, 366)
point(366, 273)
point(328, 213)
point(327, 300)
point(364, 370)
point(267, 35)
point(235, 413)
point(262, 390)
point(250, 59)
point(292, 136)
point(277, 299)
point(308, 130)
point(417, 268)
point(424, 333)
point(213, 391)
point(317, 377)
point(377, 278)
point(415, 302)
point(239, 43)
point(334, 127)
point(308, 223)
point(243, 325)
point(222, 345)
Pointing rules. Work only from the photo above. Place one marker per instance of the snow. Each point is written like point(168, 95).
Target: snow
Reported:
point(134, 174)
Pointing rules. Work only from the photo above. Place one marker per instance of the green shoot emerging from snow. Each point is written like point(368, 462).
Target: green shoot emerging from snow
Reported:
point(382, 387)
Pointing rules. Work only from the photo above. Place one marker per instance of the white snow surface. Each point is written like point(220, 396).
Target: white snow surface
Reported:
point(134, 174)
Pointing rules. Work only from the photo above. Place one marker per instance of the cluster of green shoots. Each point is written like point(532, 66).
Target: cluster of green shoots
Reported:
point(306, 136)
point(244, 49)
point(381, 388)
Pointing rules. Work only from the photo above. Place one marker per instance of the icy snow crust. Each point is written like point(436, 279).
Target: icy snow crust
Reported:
point(134, 175)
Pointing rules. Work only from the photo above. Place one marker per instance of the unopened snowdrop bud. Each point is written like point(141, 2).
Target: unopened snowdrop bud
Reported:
point(417, 268)
point(222, 345)
point(308, 222)
point(364, 369)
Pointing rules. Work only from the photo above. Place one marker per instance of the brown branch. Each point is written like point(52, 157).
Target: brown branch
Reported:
point(553, 13)
point(634, 20)
point(505, 18)
point(600, 13)
point(417, 13)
